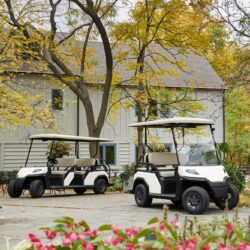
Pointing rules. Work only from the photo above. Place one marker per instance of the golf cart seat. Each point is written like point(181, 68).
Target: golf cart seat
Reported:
point(62, 164)
point(164, 162)
point(82, 164)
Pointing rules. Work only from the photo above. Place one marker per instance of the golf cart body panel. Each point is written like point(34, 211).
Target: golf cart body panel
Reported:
point(32, 171)
point(150, 179)
point(62, 173)
point(211, 173)
point(92, 176)
point(192, 175)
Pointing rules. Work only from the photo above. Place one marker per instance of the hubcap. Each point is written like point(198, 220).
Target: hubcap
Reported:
point(40, 189)
point(102, 186)
point(139, 195)
point(193, 200)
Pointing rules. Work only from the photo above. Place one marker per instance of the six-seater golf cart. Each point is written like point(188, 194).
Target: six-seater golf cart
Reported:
point(190, 175)
point(61, 173)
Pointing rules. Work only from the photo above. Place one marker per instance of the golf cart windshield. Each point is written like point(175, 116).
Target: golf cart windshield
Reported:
point(195, 146)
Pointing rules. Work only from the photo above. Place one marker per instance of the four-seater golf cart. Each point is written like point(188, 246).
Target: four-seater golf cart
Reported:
point(74, 173)
point(190, 175)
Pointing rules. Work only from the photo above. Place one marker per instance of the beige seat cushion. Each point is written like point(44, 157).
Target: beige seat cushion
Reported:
point(62, 164)
point(165, 160)
point(84, 163)
point(162, 158)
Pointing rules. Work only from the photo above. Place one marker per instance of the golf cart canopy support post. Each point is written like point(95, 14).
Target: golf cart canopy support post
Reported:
point(215, 144)
point(28, 153)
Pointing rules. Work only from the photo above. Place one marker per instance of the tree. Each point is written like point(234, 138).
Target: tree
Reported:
point(55, 52)
point(156, 34)
point(17, 107)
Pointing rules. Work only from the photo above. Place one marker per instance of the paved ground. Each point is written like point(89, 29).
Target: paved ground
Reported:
point(20, 216)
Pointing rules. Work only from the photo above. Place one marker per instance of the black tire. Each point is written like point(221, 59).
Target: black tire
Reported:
point(142, 198)
point(37, 188)
point(233, 199)
point(12, 191)
point(100, 186)
point(80, 191)
point(195, 200)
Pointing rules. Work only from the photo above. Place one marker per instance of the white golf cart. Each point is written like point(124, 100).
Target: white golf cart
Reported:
point(190, 175)
point(61, 173)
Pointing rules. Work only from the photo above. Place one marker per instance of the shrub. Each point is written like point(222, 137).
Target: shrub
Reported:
point(59, 149)
point(128, 170)
point(236, 177)
point(159, 234)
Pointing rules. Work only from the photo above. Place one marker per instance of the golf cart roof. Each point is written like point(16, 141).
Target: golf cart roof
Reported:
point(61, 137)
point(173, 122)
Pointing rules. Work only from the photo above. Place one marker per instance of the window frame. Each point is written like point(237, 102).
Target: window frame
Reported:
point(104, 146)
point(52, 95)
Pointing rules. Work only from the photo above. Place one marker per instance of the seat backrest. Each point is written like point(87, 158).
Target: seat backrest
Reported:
point(86, 162)
point(65, 162)
point(162, 158)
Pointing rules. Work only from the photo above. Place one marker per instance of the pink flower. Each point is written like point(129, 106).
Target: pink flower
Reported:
point(74, 236)
point(230, 227)
point(223, 247)
point(114, 240)
point(66, 241)
point(116, 229)
point(130, 246)
point(50, 234)
point(175, 223)
point(48, 247)
point(131, 232)
point(34, 239)
point(206, 247)
point(87, 246)
point(244, 246)
point(93, 233)
point(190, 244)
point(162, 227)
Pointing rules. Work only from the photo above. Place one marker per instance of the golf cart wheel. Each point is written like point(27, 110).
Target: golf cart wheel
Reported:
point(142, 198)
point(231, 201)
point(36, 188)
point(80, 191)
point(195, 200)
point(100, 186)
point(12, 191)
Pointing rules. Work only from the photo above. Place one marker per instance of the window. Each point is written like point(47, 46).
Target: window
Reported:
point(108, 153)
point(57, 99)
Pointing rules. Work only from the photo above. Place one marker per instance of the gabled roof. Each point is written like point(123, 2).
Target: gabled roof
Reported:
point(197, 73)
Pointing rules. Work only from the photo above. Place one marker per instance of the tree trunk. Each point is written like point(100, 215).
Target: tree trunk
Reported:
point(140, 61)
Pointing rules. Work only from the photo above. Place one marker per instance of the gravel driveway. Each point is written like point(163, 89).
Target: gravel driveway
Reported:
point(18, 217)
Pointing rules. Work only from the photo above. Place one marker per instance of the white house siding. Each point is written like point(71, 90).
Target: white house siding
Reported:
point(13, 149)
point(15, 155)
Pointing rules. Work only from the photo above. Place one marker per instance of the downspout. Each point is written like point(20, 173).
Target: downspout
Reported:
point(77, 146)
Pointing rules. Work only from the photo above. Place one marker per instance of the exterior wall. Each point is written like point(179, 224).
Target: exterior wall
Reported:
point(14, 145)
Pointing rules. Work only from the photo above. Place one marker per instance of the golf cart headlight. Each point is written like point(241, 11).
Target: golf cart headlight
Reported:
point(192, 171)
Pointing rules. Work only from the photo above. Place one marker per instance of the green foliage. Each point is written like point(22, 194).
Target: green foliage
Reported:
point(158, 234)
point(59, 149)
point(127, 171)
point(236, 177)
point(117, 184)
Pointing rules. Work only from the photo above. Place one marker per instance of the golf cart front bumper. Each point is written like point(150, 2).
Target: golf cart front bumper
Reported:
point(219, 189)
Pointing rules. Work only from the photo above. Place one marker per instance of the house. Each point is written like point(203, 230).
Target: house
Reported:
point(200, 75)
